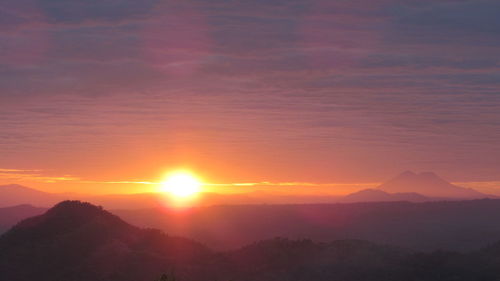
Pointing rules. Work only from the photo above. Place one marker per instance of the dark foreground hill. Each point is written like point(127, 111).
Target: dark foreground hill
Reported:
point(80, 242)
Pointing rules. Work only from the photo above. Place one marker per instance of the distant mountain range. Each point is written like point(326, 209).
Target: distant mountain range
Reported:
point(376, 195)
point(429, 184)
point(407, 186)
point(412, 187)
point(79, 242)
point(14, 194)
point(11, 215)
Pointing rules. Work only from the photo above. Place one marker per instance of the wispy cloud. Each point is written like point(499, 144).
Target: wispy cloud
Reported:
point(17, 171)
point(117, 182)
point(34, 175)
point(38, 175)
point(489, 187)
point(290, 184)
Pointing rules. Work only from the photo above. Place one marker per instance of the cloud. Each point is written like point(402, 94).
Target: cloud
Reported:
point(279, 85)
point(32, 175)
point(38, 175)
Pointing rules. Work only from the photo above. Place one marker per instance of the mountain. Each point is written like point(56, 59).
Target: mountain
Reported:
point(303, 259)
point(355, 260)
point(79, 241)
point(375, 195)
point(14, 194)
point(11, 215)
point(429, 184)
point(452, 225)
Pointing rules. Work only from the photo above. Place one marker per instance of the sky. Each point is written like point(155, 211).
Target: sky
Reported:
point(106, 96)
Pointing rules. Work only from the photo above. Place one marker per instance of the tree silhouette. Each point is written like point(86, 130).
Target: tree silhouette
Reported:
point(165, 277)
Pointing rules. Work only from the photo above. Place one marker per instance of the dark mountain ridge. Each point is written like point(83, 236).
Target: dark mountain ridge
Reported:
point(80, 242)
point(11, 215)
point(450, 225)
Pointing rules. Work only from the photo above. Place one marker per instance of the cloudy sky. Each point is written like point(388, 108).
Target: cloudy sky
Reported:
point(248, 91)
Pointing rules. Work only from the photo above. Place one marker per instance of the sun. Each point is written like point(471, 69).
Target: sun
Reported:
point(181, 184)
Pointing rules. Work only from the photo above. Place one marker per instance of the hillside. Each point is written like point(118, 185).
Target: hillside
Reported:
point(452, 225)
point(11, 215)
point(79, 242)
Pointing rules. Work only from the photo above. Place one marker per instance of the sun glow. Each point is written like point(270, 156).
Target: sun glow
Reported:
point(181, 184)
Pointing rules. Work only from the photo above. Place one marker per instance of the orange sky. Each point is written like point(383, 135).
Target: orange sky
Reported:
point(326, 93)
point(66, 183)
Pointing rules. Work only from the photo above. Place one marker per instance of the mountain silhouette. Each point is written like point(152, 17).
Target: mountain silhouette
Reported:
point(15, 194)
point(79, 241)
point(303, 259)
point(376, 195)
point(11, 215)
point(429, 184)
point(450, 225)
